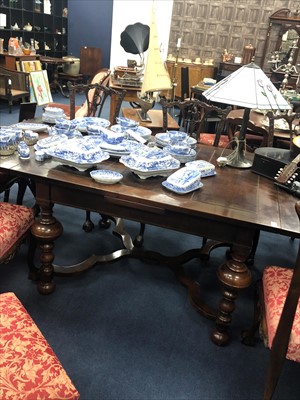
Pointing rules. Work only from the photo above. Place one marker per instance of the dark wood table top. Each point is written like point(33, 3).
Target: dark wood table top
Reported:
point(234, 195)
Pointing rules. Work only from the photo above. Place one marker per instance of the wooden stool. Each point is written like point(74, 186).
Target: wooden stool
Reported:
point(29, 369)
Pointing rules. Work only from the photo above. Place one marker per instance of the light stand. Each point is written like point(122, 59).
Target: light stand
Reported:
point(249, 88)
point(174, 83)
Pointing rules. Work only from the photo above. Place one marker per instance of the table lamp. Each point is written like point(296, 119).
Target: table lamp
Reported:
point(247, 87)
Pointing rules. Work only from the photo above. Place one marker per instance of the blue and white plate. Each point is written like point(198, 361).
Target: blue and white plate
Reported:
point(183, 181)
point(106, 176)
point(50, 141)
point(32, 127)
point(79, 153)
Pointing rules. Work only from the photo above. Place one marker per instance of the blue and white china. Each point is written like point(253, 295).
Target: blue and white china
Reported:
point(80, 153)
point(183, 181)
point(163, 139)
point(106, 176)
point(39, 155)
point(144, 132)
point(206, 168)
point(23, 150)
point(148, 161)
point(9, 140)
point(174, 136)
point(30, 137)
point(50, 141)
point(183, 158)
point(63, 123)
point(127, 123)
point(83, 122)
point(30, 126)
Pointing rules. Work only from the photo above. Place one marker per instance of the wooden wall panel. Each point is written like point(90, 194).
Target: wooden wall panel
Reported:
point(208, 27)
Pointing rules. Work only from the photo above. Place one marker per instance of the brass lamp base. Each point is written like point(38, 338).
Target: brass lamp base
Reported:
point(237, 158)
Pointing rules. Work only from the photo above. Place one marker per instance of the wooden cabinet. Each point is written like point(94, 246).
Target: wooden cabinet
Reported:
point(196, 74)
point(226, 68)
point(49, 30)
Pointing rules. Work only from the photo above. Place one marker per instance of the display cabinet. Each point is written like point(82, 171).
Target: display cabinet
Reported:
point(48, 20)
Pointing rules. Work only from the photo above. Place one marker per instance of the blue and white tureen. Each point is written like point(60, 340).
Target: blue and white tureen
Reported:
point(147, 162)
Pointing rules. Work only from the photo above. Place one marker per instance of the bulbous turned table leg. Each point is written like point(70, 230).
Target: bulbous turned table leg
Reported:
point(233, 276)
point(46, 230)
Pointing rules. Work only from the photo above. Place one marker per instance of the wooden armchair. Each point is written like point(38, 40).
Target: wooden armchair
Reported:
point(198, 118)
point(279, 301)
point(14, 85)
point(102, 78)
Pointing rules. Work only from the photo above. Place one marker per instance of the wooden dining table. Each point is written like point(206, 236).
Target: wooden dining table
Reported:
point(230, 207)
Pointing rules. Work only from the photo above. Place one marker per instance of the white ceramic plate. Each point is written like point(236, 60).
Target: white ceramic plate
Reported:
point(106, 176)
point(32, 127)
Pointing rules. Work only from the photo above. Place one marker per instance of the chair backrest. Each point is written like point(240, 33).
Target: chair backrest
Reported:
point(281, 339)
point(102, 78)
point(197, 117)
point(90, 60)
point(101, 93)
point(292, 121)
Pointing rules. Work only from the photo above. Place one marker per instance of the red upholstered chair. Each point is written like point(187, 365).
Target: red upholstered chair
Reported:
point(280, 323)
point(29, 369)
point(15, 223)
point(203, 121)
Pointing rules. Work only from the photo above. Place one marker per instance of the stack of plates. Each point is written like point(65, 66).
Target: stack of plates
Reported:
point(120, 149)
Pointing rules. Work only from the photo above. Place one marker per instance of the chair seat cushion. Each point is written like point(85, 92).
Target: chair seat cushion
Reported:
point(29, 369)
point(209, 139)
point(276, 282)
point(15, 220)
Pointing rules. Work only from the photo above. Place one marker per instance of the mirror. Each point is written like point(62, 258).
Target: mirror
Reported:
point(283, 33)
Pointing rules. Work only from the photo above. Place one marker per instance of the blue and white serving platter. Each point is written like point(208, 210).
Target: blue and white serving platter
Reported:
point(83, 122)
point(106, 176)
point(163, 139)
point(32, 127)
point(183, 181)
point(50, 141)
point(147, 162)
point(79, 153)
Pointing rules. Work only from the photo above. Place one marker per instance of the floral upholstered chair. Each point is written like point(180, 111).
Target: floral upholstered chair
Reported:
point(29, 369)
point(280, 323)
point(15, 223)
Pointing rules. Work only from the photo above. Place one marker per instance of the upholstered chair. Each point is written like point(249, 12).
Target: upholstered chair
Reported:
point(15, 223)
point(29, 369)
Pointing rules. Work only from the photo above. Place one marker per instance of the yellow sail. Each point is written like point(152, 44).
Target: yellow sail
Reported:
point(156, 76)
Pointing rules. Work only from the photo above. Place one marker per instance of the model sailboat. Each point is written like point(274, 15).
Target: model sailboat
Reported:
point(156, 76)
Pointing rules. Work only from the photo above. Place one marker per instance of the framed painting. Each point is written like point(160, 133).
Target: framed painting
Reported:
point(40, 87)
